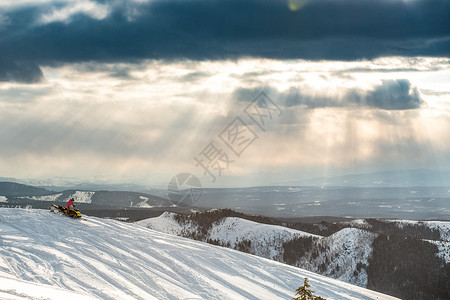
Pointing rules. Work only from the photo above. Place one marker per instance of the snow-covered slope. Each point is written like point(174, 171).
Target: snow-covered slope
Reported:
point(108, 259)
point(344, 256)
point(15, 289)
point(165, 223)
point(442, 226)
point(346, 251)
point(234, 230)
point(262, 239)
point(444, 230)
point(443, 248)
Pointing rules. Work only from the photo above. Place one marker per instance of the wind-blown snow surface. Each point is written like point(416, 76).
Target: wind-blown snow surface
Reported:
point(109, 259)
point(12, 288)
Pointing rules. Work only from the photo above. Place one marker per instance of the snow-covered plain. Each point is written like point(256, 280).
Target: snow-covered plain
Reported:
point(108, 259)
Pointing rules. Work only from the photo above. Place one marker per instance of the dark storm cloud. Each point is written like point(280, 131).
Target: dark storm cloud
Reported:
point(20, 71)
point(224, 29)
point(389, 95)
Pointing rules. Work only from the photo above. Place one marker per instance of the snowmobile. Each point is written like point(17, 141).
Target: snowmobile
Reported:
point(73, 213)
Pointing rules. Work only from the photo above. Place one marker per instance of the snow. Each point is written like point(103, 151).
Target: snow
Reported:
point(444, 229)
point(50, 198)
point(47, 254)
point(79, 196)
point(360, 222)
point(165, 223)
point(3, 199)
point(144, 203)
point(232, 230)
point(443, 248)
point(13, 288)
point(82, 196)
point(442, 226)
point(345, 249)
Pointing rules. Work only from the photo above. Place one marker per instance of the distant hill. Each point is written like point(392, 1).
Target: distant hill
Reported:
point(21, 195)
point(392, 178)
point(17, 189)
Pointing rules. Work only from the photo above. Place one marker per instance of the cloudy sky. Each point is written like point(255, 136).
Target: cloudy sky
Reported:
point(237, 92)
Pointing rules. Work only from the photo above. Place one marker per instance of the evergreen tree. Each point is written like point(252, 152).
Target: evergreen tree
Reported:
point(303, 293)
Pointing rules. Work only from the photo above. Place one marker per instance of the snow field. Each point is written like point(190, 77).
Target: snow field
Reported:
point(15, 289)
point(108, 259)
point(82, 196)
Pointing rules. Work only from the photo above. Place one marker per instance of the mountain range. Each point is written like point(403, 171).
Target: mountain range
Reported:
point(414, 203)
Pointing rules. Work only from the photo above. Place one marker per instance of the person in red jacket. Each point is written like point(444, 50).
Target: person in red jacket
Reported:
point(70, 205)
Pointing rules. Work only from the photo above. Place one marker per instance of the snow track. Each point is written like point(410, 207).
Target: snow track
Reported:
point(107, 259)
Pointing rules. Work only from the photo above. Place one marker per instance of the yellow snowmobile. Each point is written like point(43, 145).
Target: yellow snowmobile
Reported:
point(73, 213)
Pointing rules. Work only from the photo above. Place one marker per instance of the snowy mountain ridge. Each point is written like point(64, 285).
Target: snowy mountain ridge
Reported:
point(348, 249)
point(232, 231)
point(108, 259)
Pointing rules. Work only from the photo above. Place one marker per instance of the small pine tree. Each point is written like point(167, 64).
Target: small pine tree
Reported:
point(306, 294)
